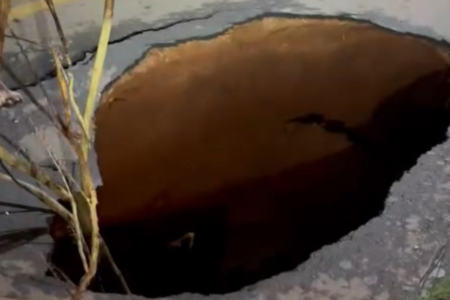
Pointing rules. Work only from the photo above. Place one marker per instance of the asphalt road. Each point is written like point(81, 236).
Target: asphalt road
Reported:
point(360, 267)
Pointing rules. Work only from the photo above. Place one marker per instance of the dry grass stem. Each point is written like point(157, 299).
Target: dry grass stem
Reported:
point(5, 7)
point(65, 82)
point(49, 201)
point(27, 92)
point(76, 224)
point(32, 170)
point(87, 183)
point(15, 147)
point(66, 55)
point(59, 29)
point(60, 76)
point(98, 67)
point(25, 207)
point(11, 36)
point(115, 267)
point(30, 66)
point(83, 197)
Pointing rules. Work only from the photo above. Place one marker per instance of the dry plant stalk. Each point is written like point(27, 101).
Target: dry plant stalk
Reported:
point(5, 7)
point(83, 198)
point(98, 67)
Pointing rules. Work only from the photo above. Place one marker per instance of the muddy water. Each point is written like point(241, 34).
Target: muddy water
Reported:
point(258, 147)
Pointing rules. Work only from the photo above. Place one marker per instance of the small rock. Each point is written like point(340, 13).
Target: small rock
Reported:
point(346, 265)
point(371, 280)
point(438, 273)
point(391, 200)
point(408, 251)
point(413, 222)
point(383, 296)
point(445, 186)
point(408, 288)
point(439, 197)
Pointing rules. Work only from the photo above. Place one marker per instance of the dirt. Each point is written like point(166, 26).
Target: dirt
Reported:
point(230, 160)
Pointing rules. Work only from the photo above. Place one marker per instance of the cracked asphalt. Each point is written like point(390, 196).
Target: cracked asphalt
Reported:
point(387, 258)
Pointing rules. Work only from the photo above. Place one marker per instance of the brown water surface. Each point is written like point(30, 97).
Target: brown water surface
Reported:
point(263, 144)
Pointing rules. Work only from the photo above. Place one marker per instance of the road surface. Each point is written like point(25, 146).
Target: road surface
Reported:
point(361, 266)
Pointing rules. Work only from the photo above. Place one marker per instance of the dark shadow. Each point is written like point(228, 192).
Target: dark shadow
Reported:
point(14, 239)
point(24, 207)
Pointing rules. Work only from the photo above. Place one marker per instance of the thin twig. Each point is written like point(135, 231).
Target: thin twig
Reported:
point(15, 147)
point(27, 92)
point(14, 239)
point(437, 257)
point(66, 54)
point(56, 272)
point(115, 267)
point(78, 234)
point(7, 212)
point(32, 170)
point(23, 206)
point(40, 194)
point(30, 66)
point(65, 82)
point(11, 36)
point(62, 37)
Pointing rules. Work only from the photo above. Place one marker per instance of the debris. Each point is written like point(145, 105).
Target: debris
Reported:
point(9, 98)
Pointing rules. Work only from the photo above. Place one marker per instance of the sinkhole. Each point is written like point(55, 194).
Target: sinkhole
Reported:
point(229, 160)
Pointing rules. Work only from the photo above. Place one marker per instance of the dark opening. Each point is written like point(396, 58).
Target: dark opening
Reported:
point(231, 160)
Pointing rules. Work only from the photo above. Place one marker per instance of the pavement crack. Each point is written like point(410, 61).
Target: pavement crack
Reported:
point(142, 31)
point(83, 59)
